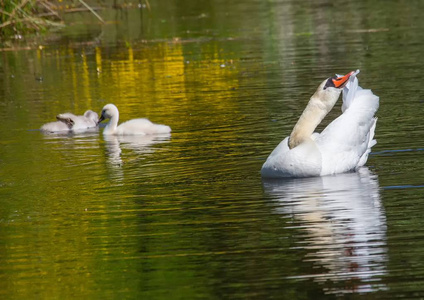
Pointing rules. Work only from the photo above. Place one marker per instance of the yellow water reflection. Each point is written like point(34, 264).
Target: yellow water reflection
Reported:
point(154, 78)
point(67, 233)
point(84, 216)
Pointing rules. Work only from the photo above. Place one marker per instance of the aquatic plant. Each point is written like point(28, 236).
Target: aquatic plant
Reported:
point(19, 17)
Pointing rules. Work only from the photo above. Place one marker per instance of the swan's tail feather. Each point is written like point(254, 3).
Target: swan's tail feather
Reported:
point(371, 142)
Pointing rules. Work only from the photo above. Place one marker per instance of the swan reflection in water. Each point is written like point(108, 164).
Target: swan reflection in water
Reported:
point(344, 226)
point(140, 144)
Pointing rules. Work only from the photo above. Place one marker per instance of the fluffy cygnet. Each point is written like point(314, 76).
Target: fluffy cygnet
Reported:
point(69, 121)
point(131, 127)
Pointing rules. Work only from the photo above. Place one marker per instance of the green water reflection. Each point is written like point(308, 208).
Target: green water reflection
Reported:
point(188, 217)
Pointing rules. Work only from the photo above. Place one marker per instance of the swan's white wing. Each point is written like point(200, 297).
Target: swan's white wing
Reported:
point(88, 120)
point(141, 126)
point(344, 143)
point(349, 90)
point(54, 127)
point(302, 161)
point(371, 143)
point(81, 122)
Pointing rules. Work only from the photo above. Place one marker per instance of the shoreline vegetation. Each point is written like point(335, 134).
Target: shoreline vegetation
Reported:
point(23, 17)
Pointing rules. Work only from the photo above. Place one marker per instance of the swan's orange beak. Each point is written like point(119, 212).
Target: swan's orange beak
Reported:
point(340, 82)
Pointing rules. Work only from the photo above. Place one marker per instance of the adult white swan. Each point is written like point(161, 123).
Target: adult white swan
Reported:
point(131, 127)
point(70, 122)
point(342, 146)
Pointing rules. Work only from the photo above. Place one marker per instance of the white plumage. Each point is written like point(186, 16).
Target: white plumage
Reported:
point(343, 146)
point(131, 127)
point(70, 122)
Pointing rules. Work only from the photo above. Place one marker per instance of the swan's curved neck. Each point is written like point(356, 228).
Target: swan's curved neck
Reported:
point(112, 124)
point(314, 113)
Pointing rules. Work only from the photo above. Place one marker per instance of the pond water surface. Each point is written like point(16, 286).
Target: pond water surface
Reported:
point(188, 216)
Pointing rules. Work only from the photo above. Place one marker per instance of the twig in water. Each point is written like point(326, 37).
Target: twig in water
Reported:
point(92, 11)
point(47, 6)
point(148, 5)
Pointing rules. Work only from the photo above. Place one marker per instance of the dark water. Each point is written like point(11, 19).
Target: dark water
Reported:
point(189, 217)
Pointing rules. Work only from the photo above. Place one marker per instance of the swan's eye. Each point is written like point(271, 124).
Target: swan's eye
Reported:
point(329, 83)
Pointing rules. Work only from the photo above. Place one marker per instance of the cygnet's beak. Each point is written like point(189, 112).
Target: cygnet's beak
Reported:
point(100, 119)
point(340, 82)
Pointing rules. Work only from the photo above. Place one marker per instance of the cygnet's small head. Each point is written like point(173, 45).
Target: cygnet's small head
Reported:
point(91, 115)
point(108, 111)
point(329, 90)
